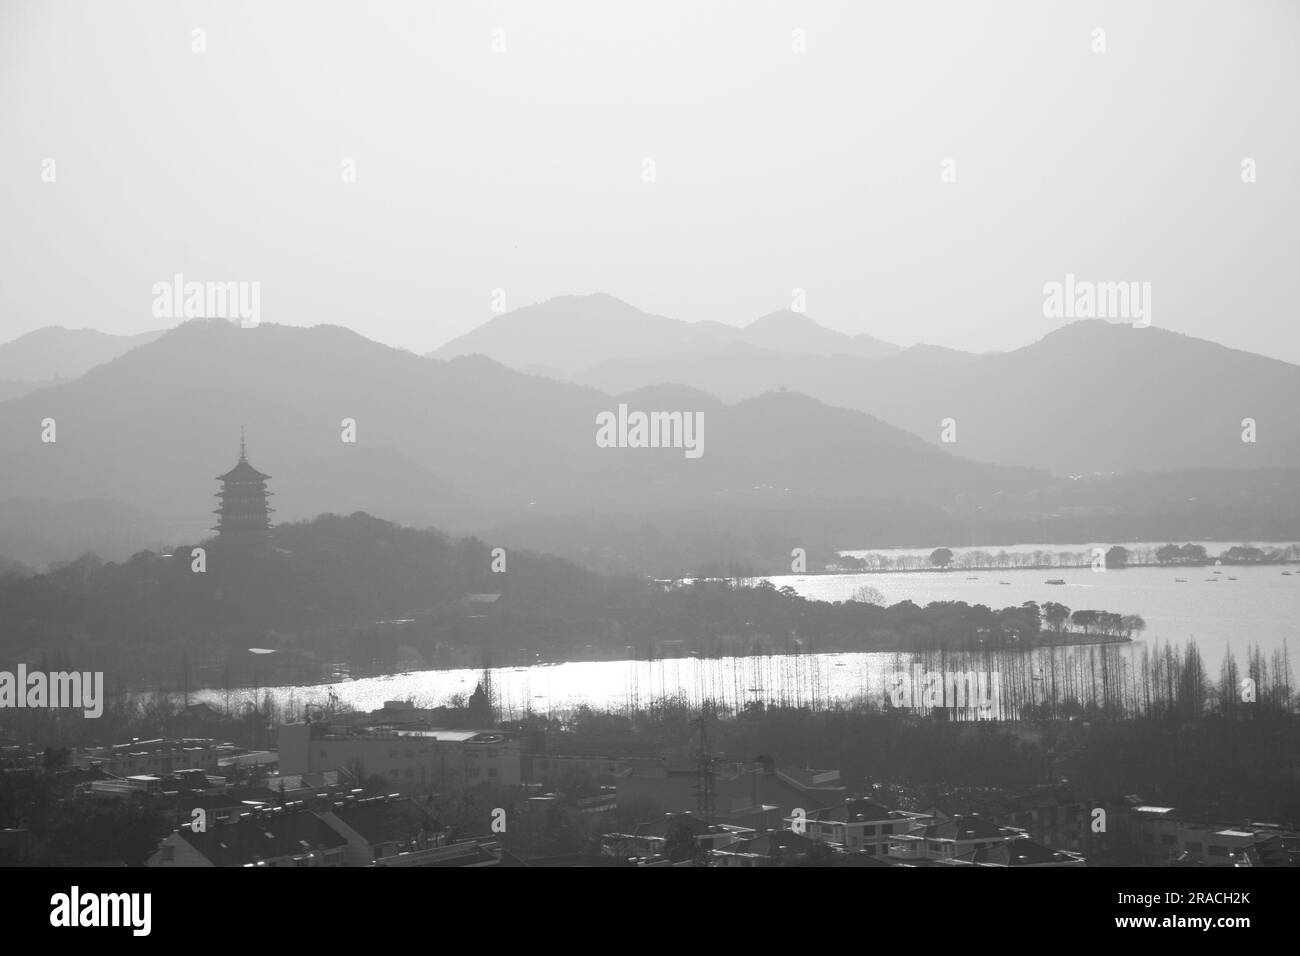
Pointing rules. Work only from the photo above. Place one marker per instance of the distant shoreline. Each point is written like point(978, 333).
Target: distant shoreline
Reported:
point(1015, 567)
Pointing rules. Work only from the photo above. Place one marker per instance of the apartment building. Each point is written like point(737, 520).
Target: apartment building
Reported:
point(859, 826)
point(346, 832)
point(406, 758)
point(756, 795)
point(288, 836)
point(1165, 835)
point(161, 757)
point(975, 841)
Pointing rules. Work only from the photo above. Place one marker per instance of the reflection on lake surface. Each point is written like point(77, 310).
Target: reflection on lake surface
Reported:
point(1261, 606)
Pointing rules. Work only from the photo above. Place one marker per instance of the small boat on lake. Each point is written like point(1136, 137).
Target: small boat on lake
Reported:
point(1056, 581)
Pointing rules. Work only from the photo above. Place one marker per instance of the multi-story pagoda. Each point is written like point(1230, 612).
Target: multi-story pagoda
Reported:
point(244, 515)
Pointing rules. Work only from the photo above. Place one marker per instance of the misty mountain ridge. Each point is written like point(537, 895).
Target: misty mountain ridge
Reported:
point(55, 353)
point(1089, 397)
point(795, 333)
point(907, 387)
point(467, 444)
point(1173, 401)
point(453, 443)
point(567, 334)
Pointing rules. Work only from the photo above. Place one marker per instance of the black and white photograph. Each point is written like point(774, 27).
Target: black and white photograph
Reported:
point(593, 435)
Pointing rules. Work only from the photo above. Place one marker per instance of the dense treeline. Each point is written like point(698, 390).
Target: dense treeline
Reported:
point(326, 590)
point(719, 617)
point(1234, 764)
point(1117, 556)
point(65, 831)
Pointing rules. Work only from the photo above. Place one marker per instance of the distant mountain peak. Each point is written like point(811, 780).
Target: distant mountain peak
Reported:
point(57, 352)
point(568, 334)
point(783, 317)
point(795, 332)
point(591, 297)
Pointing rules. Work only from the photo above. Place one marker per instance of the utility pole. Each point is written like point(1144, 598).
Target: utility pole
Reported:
point(705, 781)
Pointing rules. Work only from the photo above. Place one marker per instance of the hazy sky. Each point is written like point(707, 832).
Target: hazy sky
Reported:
point(775, 170)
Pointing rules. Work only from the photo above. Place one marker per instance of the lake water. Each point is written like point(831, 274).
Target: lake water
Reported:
point(1261, 606)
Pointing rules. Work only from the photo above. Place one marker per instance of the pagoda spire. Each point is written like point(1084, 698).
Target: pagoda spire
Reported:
point(244, 515)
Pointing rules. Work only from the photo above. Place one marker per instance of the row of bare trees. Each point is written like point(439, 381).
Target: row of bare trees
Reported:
point(1160, 682)
point(1117, 681)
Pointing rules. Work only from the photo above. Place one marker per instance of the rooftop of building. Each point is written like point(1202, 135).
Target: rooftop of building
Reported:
point(315, 780)
point(149, 746)
point(1187, 818)
point(467, 853)
point(263, 835)
point(771, 843)
point(386, 819)
point(860, 811)
point(243, 471)
point(1020, 853)
point(395, 731)
point(812, 779)
point(964, 828)
point(659, 828)
point(214, 801)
